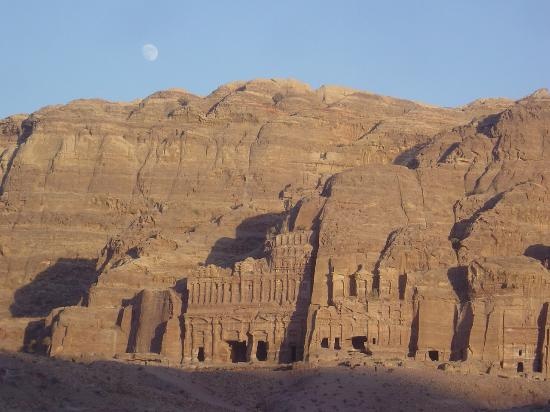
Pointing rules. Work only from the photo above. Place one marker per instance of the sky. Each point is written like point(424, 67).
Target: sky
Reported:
point(441, 52)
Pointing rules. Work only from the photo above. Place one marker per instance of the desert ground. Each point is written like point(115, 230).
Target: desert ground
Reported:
point(31, 383)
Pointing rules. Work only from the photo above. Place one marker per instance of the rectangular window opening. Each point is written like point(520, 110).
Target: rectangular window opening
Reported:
point(238, 351)
point(358, 343)
point(261, 351)
point(433, 355)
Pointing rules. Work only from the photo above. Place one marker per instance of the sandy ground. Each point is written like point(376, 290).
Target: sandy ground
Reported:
point(29, 383)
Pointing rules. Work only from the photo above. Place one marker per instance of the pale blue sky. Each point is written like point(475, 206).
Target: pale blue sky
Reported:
point(441, 52)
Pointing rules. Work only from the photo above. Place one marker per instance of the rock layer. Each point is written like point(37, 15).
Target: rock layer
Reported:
point(272, 222)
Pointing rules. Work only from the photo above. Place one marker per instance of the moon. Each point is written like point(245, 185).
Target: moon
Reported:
point(150, 52)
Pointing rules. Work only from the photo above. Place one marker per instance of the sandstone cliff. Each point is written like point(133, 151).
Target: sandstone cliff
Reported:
point(112, 207)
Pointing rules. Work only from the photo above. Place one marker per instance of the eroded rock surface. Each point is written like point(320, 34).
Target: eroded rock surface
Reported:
point(272, 222)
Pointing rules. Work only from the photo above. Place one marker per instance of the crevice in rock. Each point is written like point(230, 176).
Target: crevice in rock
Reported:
point(27, 127)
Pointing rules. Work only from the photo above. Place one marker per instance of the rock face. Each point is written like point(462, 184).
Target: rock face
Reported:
point(270, 222)
point(257, 311)
point(463, 271)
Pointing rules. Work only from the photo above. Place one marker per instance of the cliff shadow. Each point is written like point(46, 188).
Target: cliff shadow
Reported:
point(34, 383)
point(539, 351)
point(409, 157)
point(464, 317)
point(27, 127)
point(293, 344)
point(36, 337)
point(460, 229)
point(539, 252)
point(65, 283)
point(485, 125)
point(296, 338)
point(249, 240)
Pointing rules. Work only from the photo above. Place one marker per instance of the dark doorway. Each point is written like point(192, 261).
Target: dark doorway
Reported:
point(358, 342)
point(200, 355)
point(520, 367)
point(337, 344)
point(324, 343)
point(238, 351)
point(374, 341)
point(293, 353)
point(261, 351)
point(434, 355)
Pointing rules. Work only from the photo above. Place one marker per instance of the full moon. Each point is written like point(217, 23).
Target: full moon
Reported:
point(150, 52)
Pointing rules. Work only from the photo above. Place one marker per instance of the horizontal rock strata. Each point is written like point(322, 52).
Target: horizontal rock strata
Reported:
point(269, 222)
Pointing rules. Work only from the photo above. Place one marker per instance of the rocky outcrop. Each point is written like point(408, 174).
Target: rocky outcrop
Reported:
point(450, 234)
point(272, 222)
point(197, 168)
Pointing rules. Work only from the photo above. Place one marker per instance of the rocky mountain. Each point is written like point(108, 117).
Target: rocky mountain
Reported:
point(369, 221)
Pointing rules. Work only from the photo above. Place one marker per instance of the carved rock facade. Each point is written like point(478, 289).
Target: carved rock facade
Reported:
point(257, 311)
point(269, 222)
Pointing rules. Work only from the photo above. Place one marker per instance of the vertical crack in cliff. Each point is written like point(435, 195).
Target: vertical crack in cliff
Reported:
point(51, 165)
point(389, 241)
point(180, 163)
point(138, 187)
point(419, 180)
point(99, 157)
point(465, 177)
point(487, 319)
point(311, 312)
point(247, 177)
point(402, 202)
point(478, 181)
point(455, 242)
point(27, 128)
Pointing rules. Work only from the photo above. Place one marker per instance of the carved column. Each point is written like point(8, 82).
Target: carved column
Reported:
point(187, 342)
point(216, 339)
point(226, 292)
point(192, 289)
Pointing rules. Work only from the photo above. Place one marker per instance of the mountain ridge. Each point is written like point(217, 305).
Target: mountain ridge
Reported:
point(112, 207)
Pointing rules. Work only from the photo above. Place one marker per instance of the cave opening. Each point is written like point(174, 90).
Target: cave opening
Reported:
point(433, 355)
point(358, 342)
point(520, 367)
point(238, 351)
point(200, 354)
point(261, 351)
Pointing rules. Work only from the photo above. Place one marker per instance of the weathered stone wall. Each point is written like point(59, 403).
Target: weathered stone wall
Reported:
point(310, 243)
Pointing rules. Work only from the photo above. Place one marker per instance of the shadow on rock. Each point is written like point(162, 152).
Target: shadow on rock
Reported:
point(248, 242)
point(409, 157)
point(539, 252)
point(66, 283)
point(32, 383)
